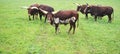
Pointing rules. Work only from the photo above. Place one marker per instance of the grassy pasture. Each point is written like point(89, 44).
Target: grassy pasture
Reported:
point(18, 35)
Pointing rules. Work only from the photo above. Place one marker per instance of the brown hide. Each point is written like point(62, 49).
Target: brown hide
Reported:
point(100, 11)
point(46, 8)
point(33, 11)
point(81, 8)
point(63, 15)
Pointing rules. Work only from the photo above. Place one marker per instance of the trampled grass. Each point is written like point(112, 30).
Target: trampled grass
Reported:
point(18, 35)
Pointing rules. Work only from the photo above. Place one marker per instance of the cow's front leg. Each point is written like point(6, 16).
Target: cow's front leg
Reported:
point(40, 15)
point(70, 27)
point(86, 15)
point(33, 17)
point(56, 28)
point(74, 26)
point(109, 19)
point(95, 18)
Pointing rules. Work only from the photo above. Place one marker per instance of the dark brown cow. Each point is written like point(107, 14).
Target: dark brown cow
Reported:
point(33, 10)
point(100, 11)
point(46, 8)
point(63, 17)
point(81, 8)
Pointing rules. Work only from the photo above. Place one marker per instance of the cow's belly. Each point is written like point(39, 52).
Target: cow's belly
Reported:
point(66, 21)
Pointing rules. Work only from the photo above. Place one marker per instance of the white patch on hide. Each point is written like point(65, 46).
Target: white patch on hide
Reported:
point(65, 21)
point(56, 20)
point(73, 19)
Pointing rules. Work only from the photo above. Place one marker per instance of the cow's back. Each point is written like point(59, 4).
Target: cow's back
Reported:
point(65, 14)
point(46, 8)
point(101, 10)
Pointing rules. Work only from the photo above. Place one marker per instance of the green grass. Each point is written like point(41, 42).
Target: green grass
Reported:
point(18, 35)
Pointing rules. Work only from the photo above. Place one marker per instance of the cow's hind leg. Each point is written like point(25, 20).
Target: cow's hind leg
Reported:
point(74, 26)
point(109, 18)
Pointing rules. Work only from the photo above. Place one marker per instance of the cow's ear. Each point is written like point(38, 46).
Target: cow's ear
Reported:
point(45, 12)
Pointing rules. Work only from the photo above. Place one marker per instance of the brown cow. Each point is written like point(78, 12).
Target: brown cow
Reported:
point(33, 10)
point(46, 8)
point(63, 17)
point(100, 11)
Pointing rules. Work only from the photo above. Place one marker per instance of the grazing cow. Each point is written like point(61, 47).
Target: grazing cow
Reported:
point(81, 8)
point(100, 11)
point(46, 8)
point(63, 17)
point(33, 10)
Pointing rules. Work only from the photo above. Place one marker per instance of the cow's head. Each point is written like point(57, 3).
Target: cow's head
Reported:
point(87, 9)
point(49, 16)
point(32, 10)
point(80, 7)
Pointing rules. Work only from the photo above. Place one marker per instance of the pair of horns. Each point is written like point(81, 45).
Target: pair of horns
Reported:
point(45, 12)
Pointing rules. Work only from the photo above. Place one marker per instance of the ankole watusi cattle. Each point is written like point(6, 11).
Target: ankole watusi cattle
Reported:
point(46, 8)
point(33, 10)
point(81, 8)
point(63, 17)
point(100, 11)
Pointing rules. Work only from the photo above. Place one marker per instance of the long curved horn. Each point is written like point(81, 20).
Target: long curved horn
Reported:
point(24, 7)
point(33, 8)
point(54, 12)
point(45, 12)
point(76, 4)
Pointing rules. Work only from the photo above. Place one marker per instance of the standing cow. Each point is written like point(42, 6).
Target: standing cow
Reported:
point(46, 8)
point(100, 11)
point(63, 17)
point(33, 10)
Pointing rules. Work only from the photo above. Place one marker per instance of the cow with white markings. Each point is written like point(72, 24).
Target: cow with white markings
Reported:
point(63, 17)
